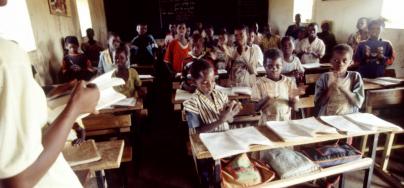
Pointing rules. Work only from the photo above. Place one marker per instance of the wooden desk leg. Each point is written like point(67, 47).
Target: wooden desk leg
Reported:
point(372, 154)
point(363, 144)
point(387, 150)
point(101, 182)
point(217, 174)
point(341, 181)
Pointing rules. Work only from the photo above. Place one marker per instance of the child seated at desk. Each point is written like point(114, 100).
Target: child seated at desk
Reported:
point(130, 75)
point(198, 52)
point(341, 91)
point(75, 65)
point(291, 65)
point(276, 94)
point(208, 110)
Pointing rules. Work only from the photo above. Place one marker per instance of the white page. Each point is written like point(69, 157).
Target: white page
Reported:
point(225, 90)
point(220, 145)
point(248, 136)
point(311, 65)
point(379, 82)
point(288, 132)
point(313, 126)
point(372, 122)
point(221, 71)
point(182, 95)
point(343, 124)
point(145, 76)
point(391, 79)
point(126, 102)
point(261, 70)
point(241, 90)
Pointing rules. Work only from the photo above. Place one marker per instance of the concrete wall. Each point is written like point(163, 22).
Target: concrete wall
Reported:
point(344, 14)
point(50, 29)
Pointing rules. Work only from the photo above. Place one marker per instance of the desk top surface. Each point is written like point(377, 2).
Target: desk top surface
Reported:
point(111, 156)
point(201, 152)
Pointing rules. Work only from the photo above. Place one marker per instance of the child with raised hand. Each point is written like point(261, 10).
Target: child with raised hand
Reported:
point(209, 110)
point(340, 91)
point(276, 94)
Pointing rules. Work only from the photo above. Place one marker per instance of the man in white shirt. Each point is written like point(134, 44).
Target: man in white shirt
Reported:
point(311, 49)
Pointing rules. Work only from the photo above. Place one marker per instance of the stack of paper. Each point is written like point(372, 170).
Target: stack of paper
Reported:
point(232, 142)
point(344, 125)
point(131, 102)
point(145, 76)
point(372, 122)
point(85, 152)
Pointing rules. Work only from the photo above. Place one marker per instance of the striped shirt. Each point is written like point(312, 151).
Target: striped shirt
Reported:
point(207, 110)
point(278, 91)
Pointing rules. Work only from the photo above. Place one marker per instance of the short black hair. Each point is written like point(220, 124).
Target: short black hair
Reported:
point(360, 20)
point(312, 24)
point(112, 34)
point(122, 48)
point(343, 48)
point(199, 66)
point(285, 39)
point(379, 22)
point(240, 27)
point(71, 40)
point(272, 54)
point(196, 37)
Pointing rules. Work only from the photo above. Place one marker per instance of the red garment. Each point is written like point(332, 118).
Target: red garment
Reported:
point(176, 53)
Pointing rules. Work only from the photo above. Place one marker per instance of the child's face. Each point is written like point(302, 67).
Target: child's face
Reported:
point(312, 31)
point(375, 30)
point(273, 68)
point(363, 24)
point(341, 61)
point(223, 39)
point(241, 36)
point(287, 47)
point(114, 42)
point(251, 38)
point(197, 47)
point(182, 30)
point(120, 60)
point(141, 29)
point(206, 83)
point(72, 48)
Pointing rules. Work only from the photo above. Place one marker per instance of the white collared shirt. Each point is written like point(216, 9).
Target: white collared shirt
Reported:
point(317, 46)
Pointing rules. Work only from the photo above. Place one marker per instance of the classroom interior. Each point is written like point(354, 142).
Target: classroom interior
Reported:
point(149, 143)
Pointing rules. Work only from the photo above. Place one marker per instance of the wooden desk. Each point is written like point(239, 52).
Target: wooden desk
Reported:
point(200, 152)
point(111, 156)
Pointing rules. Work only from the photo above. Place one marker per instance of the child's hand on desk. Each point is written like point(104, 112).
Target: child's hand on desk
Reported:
point(300, 90)
point(84, 98)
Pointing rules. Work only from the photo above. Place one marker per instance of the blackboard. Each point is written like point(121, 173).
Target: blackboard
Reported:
point(174, 11)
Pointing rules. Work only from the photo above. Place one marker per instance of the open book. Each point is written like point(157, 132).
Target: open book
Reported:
point(235, 90)
point(145, 76)
point(372, 122)
point(85, 152)
point(300, 130)
point(261, 70)
point(232, 142)
point(385, 81)
point(344, 125)
point(131, 102)
point(108, 95)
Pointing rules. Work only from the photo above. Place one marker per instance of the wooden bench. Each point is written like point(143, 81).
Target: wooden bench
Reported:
point(384, 98)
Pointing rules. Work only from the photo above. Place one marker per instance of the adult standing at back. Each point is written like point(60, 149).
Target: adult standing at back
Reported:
point(293, 30)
